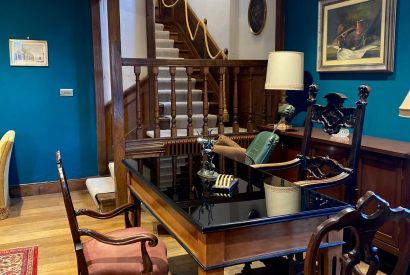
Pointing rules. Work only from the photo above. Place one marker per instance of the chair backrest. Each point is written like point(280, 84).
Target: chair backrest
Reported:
point(363, 222)
point(333, 117)
point(261, 148)
point(71, 215)
point(6, 146)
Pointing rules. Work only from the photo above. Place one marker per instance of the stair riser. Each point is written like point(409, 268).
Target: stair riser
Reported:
point(159, 27)
point(180, 84)
point(197, 122)
point(165, 96)
point(164, 43)
point(167, 52)
point(162, 35)
point(164, 73)
point(197, 108)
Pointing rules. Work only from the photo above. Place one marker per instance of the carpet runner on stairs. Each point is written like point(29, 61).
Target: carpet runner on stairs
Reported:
point(165, 49)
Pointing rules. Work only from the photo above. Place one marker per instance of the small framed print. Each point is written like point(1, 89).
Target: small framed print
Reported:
point(28, 52)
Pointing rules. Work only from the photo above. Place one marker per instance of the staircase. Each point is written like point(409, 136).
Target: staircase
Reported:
point(166, 42)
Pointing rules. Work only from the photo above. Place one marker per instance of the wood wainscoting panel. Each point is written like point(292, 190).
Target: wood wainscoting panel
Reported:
point(42, 188)
point(383, 175)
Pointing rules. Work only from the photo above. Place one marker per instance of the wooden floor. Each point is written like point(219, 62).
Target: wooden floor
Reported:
point(41, 220)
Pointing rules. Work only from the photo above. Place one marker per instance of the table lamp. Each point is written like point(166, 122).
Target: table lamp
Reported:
point(284, 72)
point(404, 109)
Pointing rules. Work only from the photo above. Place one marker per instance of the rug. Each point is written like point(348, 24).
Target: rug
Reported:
point(19, 261)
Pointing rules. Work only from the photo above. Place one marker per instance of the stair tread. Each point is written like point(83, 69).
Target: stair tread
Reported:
point(164, 91)
point(194, 115)
point(176, 79)
point(167, 103)
point(170, 57)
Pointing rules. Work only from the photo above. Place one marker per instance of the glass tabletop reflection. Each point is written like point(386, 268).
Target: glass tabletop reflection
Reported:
point(257, 197)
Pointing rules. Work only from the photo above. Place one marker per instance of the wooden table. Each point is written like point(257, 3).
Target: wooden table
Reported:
point(219, 232)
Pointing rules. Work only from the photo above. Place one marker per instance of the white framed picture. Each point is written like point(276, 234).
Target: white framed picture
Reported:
point(28, 52)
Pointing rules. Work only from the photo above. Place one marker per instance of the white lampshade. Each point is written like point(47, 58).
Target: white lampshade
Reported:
point(404, 109)
point(285, 71)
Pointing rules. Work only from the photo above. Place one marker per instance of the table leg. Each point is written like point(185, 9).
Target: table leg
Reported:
point(219, 271)
point(135, 217)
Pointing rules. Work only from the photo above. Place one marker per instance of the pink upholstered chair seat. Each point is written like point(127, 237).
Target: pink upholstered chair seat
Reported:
point(107, 259)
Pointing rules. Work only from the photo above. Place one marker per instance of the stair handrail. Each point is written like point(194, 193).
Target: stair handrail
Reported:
point(201, 23)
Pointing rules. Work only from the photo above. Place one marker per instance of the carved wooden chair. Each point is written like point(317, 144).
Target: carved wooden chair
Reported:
point(117, 252)
point(322, 171)
point(363, 224)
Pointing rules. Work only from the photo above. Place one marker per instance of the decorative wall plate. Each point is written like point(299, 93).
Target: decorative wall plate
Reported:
point(257, 15)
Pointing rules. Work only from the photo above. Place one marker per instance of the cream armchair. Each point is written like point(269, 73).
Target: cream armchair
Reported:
point(6, 145)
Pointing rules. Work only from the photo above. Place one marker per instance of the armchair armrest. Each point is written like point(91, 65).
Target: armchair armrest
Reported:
point(145, 237)
point(278, 165)
point(317, 183)
point(108, 215)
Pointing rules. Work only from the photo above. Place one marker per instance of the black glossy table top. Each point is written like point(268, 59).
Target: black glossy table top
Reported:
point(247, 204)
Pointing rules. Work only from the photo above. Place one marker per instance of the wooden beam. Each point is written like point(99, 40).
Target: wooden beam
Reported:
point(280, 26)
point(150, 26)
point(99, 88)
point(114, 35)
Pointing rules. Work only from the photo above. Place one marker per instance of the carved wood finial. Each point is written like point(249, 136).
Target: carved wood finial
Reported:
point(364, 92)
point(313, 90)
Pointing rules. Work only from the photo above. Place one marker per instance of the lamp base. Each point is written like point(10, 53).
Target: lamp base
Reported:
point(283, 125)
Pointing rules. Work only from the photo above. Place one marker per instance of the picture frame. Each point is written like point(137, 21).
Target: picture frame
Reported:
point(257, 16)
point(28, 52)
point(356, 35)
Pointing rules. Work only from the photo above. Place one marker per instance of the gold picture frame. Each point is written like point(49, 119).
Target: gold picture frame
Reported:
point(257, 16)
point(28, 52)
point(356, 35)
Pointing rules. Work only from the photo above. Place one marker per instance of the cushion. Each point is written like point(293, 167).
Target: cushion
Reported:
point(99, 185)
point(261, 148)
point(111, 168)
point(103, 258)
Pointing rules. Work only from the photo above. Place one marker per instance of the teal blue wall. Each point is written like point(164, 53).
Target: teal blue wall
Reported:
point(388, 89)
point(30, 102)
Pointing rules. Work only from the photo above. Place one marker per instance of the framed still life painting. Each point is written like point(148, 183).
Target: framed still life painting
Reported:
point(356, 35)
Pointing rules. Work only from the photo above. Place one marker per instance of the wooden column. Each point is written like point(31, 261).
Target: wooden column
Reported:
point(117, 98)
point(99, 88)
point(150, 26)
point(151, 52)
point(280, 26)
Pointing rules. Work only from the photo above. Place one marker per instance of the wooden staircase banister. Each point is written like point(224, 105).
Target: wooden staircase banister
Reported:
point(193, 62)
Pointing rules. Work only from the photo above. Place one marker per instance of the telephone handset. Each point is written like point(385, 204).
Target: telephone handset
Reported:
point(225, 184)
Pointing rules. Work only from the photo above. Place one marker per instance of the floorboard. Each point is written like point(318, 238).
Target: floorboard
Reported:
point(41, 220)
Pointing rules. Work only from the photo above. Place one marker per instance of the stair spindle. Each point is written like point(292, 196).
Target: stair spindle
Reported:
point(138, 101)
point(174, 175)
point(190, 130)
point(190, 172)
point(235, 125)
point(157, 132)
point(221, 100)
point(205, 72)
point(249, 126)
point(172, 72)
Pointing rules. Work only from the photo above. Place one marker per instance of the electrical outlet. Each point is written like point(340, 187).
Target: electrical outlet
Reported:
point(66, 92)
